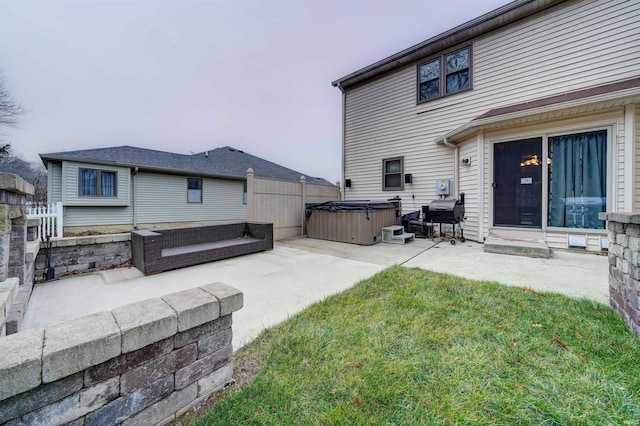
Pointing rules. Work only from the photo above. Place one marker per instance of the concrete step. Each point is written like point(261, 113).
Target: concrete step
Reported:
point(517, 246)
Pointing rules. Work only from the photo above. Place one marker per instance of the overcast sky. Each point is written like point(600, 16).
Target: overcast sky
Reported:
point(186, 76)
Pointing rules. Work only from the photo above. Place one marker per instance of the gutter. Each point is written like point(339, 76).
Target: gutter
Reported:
point(344, 135)
point(134, 173)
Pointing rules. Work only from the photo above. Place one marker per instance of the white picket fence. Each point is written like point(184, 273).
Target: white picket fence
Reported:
point(50, 219)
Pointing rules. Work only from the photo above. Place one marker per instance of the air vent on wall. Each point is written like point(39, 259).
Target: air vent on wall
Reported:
point(579, 241)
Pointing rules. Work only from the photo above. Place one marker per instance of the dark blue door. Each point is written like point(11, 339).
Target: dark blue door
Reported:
point(517, 183)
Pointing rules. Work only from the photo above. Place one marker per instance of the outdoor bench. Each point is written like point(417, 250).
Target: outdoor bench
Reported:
point(160, 250)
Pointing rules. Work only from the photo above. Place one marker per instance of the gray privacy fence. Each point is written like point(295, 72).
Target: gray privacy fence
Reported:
point(624, 265)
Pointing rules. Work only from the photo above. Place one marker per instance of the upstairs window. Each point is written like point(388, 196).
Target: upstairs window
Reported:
point(97, 183)
point(429, 77)
point(392, 170)
point(444, 75)
point(194, 190)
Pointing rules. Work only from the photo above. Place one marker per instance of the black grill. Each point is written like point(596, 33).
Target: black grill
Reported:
point(444, 211)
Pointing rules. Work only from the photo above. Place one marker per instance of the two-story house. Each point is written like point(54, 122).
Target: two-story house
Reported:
point(531, 111)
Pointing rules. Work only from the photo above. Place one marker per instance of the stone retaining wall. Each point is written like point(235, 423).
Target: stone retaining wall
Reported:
point(140, 364)
point(85, 254)
point(624, 265)
point(15, 266)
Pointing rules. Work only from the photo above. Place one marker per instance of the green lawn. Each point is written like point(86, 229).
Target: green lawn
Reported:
point(409, 346)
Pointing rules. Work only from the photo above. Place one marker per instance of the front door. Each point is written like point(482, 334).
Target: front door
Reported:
point(517, 183)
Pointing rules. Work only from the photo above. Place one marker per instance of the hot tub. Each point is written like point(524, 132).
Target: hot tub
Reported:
point(357, 222)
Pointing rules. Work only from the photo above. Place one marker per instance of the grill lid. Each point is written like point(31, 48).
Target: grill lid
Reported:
point(445, 210)
point(443, 205)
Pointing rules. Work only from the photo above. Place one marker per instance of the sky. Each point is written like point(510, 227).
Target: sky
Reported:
point(191, 76)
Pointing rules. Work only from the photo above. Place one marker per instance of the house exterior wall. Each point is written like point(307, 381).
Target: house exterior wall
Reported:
point(575, 45)
point(54, 182)
point(569, 47)
point(159, 198)
point(163, 198)
point(97, 215)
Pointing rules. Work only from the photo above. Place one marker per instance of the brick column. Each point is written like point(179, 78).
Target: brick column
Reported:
point(624, 266)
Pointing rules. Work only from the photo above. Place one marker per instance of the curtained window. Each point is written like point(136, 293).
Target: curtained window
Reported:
point(108, 184)
point(578, 180)
point(97, 183)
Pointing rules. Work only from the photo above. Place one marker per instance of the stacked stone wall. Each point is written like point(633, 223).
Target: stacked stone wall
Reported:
point(624, 266)
point(15, 271)
point(76, 255)
point(140, 364)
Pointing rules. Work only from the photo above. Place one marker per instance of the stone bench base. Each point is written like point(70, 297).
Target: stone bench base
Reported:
point(166, 249)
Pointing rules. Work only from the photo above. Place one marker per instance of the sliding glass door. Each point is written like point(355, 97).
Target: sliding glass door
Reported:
point(572, 170)
point(577, 180)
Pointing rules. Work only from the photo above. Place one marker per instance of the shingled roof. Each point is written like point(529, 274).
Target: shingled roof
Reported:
point(225, 162)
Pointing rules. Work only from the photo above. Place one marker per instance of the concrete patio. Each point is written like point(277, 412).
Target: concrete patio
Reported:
point(301, 271)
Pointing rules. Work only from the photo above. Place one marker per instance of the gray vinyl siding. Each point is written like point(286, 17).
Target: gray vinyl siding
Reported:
point(70, 186)
point(97, 215)
point(163, 198)
point(54, 182)
point(576, 45)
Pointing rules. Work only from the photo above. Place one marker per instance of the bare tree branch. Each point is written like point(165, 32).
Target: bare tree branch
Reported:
point(9, 109)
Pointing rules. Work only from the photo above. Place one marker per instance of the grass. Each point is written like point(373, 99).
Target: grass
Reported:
point(409, 346)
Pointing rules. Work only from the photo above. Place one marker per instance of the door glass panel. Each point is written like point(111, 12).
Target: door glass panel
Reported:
point(517, 183)
point(578, 180)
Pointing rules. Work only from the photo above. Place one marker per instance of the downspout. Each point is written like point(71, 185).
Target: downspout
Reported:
point(133, 192)
point(344, 133)
point(456, 164)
